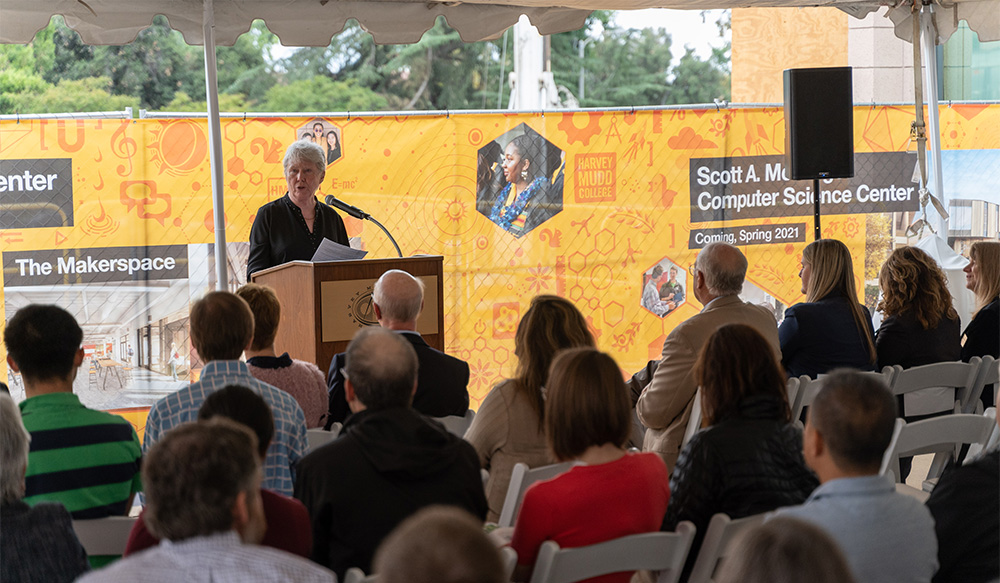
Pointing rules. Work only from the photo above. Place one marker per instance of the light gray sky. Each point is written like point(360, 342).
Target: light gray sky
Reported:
point(684, 26)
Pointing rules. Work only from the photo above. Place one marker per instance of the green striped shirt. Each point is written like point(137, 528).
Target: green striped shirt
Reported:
point(87, 460)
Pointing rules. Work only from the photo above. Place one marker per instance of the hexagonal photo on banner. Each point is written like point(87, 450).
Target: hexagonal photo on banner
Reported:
point(519, 183)
point(663, 287)
point(326, 135)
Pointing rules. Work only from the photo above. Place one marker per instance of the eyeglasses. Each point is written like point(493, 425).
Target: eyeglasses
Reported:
point(693, 268)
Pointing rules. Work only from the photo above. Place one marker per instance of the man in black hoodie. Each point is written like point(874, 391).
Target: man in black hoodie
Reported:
point(389, 461)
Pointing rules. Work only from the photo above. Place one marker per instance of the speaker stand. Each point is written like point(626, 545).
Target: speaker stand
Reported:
point(816, 228)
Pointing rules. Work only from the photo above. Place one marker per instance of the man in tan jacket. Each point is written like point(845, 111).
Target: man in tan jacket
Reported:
point(664, 406)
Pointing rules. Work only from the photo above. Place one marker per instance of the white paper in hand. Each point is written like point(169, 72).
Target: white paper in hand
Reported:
point(330, 251)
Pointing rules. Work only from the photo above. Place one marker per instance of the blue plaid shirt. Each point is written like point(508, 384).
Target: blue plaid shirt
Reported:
point(289, 443)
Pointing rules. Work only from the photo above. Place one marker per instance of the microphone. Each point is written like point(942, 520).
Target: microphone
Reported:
point(349, 209)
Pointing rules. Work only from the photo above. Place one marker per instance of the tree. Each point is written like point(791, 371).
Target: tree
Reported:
point(321, 94)
point(73, 95)
point(697, 81)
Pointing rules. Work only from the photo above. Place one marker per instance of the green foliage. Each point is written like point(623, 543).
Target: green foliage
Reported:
point(15, 86)
point(231, 102)
point(73, 95)
point(321, 94)
point(697, 81)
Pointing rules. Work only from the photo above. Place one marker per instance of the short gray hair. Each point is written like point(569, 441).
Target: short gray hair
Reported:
point(382, 367)
point(14, 440)
point(724, 267)
point(399, 295)
point(305, 151)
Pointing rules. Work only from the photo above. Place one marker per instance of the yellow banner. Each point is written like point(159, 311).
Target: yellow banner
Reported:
point(112, 219)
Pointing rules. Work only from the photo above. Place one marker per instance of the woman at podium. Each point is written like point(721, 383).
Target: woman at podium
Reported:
point(293, 226)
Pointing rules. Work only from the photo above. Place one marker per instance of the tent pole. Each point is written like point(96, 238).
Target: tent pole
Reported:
point(928, 42)
point(215, 139)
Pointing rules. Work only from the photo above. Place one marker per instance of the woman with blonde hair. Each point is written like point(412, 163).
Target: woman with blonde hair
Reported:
point(509, 425)
point(747, 459)
point(588, 421)
point(982, 276)
point(830, 329)
point(921, 326)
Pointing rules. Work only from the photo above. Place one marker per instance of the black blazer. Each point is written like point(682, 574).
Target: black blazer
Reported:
point(982, 335)
point(442, 383)
point(902, 340)
point(819, 336)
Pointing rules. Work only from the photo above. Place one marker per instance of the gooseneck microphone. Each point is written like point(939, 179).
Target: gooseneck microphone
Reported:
point(349, 209)
point(360, 214)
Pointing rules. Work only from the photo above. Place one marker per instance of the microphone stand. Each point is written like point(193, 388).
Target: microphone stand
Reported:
point(387, 234)
point(357, 213)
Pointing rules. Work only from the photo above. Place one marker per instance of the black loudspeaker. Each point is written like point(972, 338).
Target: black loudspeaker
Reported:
point(819, 123)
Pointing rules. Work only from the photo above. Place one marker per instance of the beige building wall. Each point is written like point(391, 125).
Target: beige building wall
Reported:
point(883, 63)
point(766, 41)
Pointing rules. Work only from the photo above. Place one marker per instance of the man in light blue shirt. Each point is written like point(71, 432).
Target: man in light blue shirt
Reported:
point(221, 329)
point(885, 536)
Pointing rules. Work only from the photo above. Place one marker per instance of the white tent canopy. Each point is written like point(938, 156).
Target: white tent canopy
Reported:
point(314, 22)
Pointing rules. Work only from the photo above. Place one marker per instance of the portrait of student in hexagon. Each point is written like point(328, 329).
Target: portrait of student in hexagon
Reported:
point(663, 288)
point(519, 181)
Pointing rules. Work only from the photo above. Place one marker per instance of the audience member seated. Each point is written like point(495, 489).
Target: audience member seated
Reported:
point(442, 380)
point(611, 493)
point(300, 379)
point(921, 326)
point(885, 535)
point(747, 459)
point(221, 329)
point(664, 406)
point(287, 520)
point(388, 462)
point(87, 460)
point(965, 505)
point(203, 500)
point(439, 544)
point(982, 276)
point(831, 329)
point(786, 550)
point(36, 543)
point(509, 425)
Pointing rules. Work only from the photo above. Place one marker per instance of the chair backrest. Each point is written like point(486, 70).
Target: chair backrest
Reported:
point(792, 388)
point(457, 424)
point(520, 478)
point(655, 551)
point(942, 436)
point(976, 449)
point(694, 421)
point(809, 388)
point(508, 558)
point(104, 536)
point(356, 575)
point(987, 379)
point(718, 544)
point(958, 375)
point(318, 437)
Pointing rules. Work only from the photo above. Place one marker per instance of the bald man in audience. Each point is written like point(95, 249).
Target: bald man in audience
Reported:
point(885, 535)
point(442, 384)
point(664, 406)
point(389, 462)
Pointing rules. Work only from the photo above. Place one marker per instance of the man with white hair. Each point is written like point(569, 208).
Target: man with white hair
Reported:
point(292, 227)
point(442, 383)
point(664, 406)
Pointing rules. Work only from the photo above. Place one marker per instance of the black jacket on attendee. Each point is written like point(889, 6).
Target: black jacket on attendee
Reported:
point(966, 509)
point(817, 337)
point(745, 465)
point(982, 335)
point(442, 383)
point(903, 340)
point(384, 467)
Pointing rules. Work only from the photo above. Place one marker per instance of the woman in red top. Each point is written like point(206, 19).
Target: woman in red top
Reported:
point(610, 493)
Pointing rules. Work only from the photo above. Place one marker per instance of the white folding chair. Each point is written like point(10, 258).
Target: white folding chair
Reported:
point(457, 424)
point(960, 376)
point(809, 388)
point(356, 575)
point(104, 536)
point(319, 437)
point(975, 449)
point(654, 551)
point(520, 478)
point(943, 436)
point(792, 388)
point(987, 379)
point(694, 421)
point(718, 543)
point(508, 558)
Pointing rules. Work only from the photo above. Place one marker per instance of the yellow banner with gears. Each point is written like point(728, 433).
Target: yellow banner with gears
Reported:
point(112, 219)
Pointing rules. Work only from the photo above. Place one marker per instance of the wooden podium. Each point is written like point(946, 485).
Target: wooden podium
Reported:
point(324, 304)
